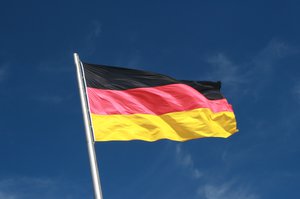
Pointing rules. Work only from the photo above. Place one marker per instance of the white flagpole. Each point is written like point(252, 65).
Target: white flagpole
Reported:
point(88, 128)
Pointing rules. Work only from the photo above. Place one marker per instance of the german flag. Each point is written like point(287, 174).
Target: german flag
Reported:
point(128, 104)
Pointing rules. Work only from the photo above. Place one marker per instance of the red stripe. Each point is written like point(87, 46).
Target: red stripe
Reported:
point(152, 100)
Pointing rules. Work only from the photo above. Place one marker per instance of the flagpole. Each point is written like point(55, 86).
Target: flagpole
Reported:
point(88, 128)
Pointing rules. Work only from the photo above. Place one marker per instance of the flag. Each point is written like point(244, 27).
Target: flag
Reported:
point(128, 104)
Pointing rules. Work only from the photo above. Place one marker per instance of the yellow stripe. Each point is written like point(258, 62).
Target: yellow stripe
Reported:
point(178, 126)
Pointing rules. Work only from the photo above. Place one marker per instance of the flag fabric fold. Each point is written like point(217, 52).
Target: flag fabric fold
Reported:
point(128, 104)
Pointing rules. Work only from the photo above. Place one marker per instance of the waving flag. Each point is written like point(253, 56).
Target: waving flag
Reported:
point(128, 104)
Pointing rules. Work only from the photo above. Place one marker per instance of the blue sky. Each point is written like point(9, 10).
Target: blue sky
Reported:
point(253, 47)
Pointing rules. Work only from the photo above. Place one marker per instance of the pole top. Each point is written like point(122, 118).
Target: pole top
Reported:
point(76, 57)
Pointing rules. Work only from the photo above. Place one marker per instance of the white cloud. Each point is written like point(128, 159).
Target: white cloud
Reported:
point(259, 69)
point(186, 161)
point(7, 196)
point(224, 189)
point(228, 190)
point(24, 180)
point(275, 50)
point(296, 91)
point(224, 69)
point(3, 72)
point(92, 36)
point(132, 59)
point(15, 188)
point(36, 188)
point(97, 28)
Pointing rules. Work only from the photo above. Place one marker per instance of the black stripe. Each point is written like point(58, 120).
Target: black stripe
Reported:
point(118, 78)
point(211, 90)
